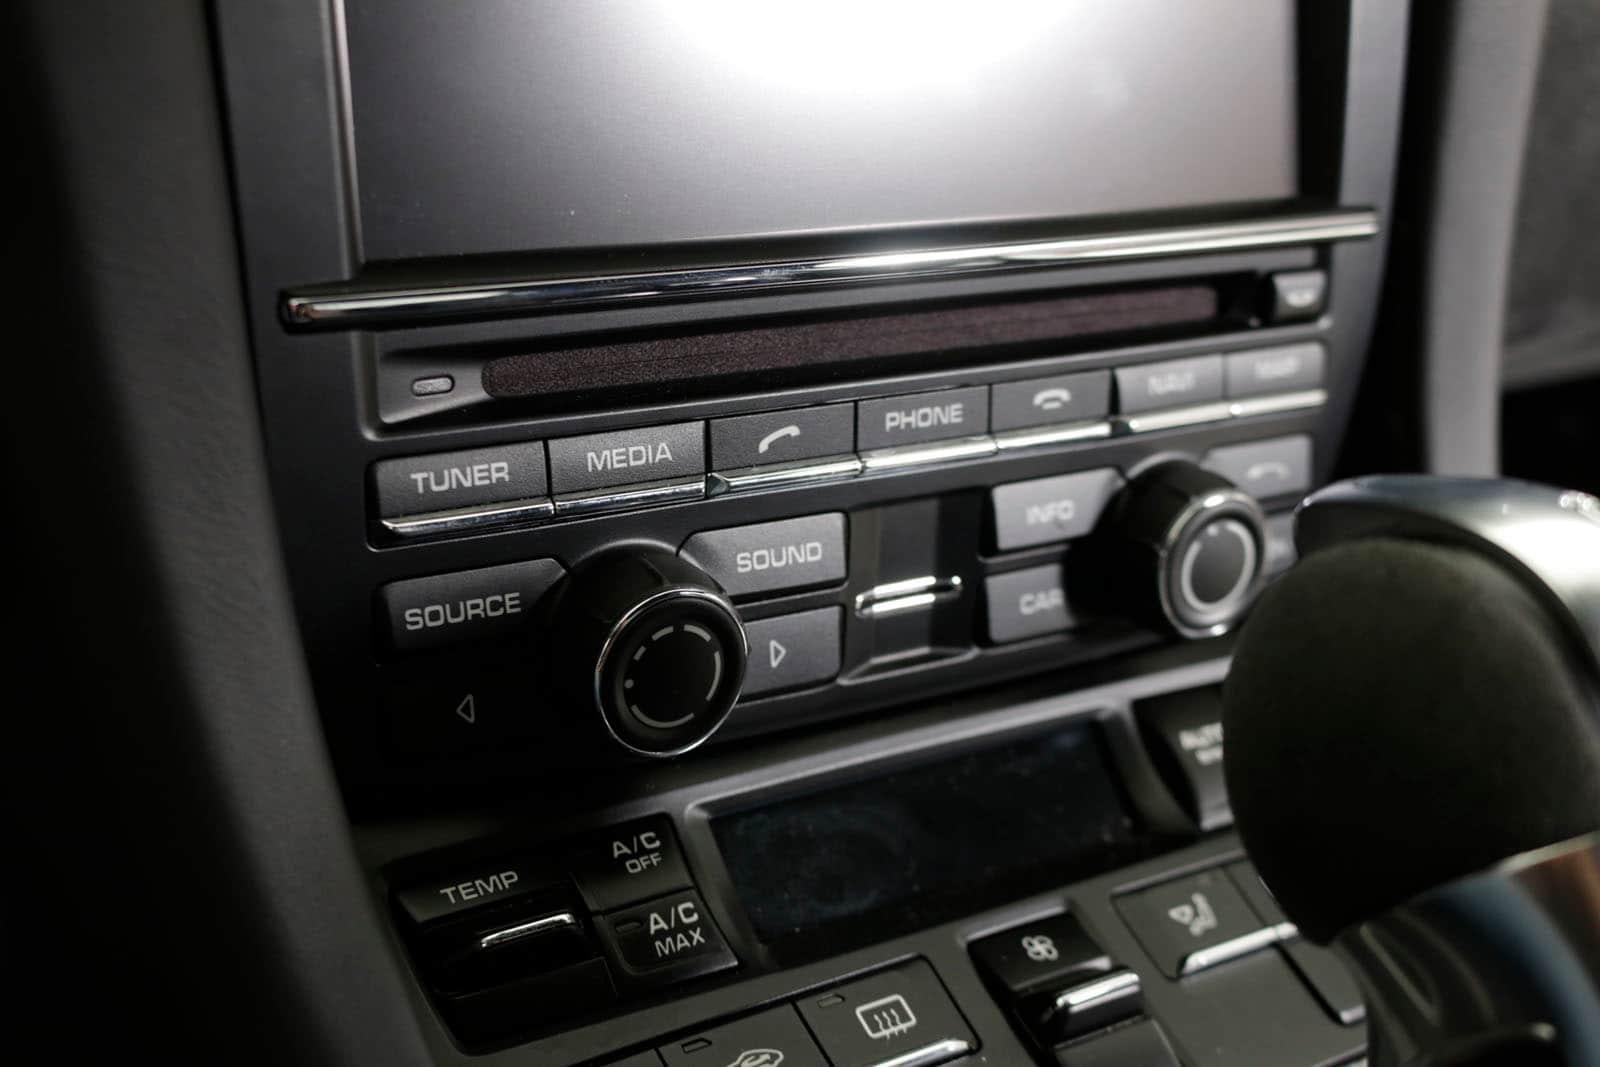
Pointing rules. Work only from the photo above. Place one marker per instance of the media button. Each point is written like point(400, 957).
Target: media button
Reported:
point(782, 436)
point(790, 651)
point(1051, 509)
point(1174, 383)
point(1046, 401)
point(475, 605)
point(772, 556)
point(445, 481)
point(627, 457)
point(1028, 603)
point(919, 417)
point(1286, 369)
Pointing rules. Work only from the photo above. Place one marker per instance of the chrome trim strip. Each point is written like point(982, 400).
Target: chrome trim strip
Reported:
point(1092, 994)
point(560, 920)
point(803, 472)
point(912, 594)
point(888, 459)
point(1039, 436)
point(438, 522)
point(1168, 420)
point(353, 308)
point(928, 1055)
point(1205, 958)
point(1286, 931)
point(633, 496)
point(1269, 405)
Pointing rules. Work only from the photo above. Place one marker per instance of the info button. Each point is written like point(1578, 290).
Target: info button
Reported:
point(1043, 510)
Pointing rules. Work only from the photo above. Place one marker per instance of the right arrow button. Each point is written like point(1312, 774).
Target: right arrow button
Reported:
point(799, 650)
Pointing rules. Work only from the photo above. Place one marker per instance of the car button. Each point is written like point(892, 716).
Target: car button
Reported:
point(1172, 384)
point(669, 939)
point(627, 457)
point(1184, 733)
point(1038, 955)
point(1046, 401)
point(769, 556)
point(782, 436)
point(919, 417)
point(445, 481)
point(1275, 467)
point(1042, 510)
point(1027, 603)
point(1193, 923)
point(475, 605)
point(1286, 369)
point(629, 863)
point(790, 651)
point(480, 885)
point(902, 1016)
point(766, 1040)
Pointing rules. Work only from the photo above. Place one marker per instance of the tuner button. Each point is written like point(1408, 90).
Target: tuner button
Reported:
point(652, 643)
point(1180, 547)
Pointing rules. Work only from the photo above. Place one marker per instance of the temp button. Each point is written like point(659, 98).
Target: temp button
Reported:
point(769, 556)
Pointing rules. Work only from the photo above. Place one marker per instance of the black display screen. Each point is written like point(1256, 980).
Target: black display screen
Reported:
point(516, 126)
point(930, 843)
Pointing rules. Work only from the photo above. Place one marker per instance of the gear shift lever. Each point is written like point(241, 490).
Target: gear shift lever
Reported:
point(1413, 724)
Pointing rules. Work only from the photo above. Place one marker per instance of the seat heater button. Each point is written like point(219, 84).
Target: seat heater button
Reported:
point(898, 1016)
point(1043, 954)
point(1043, 510)
point(790, 651)
point(919, 417)
point(782, 437)
point(669, 939)
point(1177, 921)
point(1028, 603)
point(1172, 384)
point(1263, 371)
point(628, 863)
point(1048, 401)
point(476, 605)
point(627, 457)
point(769, 556)
point(1275, 467)
point(766, 1040)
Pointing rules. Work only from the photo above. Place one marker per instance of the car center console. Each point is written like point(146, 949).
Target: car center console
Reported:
point(765, 532)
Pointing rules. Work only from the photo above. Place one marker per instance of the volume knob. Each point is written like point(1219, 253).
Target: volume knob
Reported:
point(653, 644)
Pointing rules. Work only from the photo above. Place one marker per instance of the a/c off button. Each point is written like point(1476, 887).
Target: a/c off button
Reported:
point(1028, 603)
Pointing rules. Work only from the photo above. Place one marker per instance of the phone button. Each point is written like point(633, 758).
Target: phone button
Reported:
point(1276, 467)
point(782, 436)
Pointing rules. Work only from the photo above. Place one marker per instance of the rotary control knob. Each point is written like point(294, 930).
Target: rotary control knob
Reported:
point(652, 643)
point(1185, 544)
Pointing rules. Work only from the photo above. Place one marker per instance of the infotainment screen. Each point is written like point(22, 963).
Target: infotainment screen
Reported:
point(519, 126)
